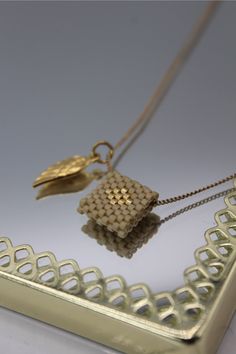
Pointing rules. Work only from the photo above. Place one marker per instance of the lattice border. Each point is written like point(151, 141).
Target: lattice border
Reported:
point(179, 311)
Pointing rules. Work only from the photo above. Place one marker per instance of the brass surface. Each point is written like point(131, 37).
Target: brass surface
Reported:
point(191, 319)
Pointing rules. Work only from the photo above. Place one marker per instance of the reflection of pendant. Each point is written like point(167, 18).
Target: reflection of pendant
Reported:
point(72, 184)
point(128, 246)
point(118, 203)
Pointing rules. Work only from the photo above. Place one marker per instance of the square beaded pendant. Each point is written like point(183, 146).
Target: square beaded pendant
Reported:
point(118, 203)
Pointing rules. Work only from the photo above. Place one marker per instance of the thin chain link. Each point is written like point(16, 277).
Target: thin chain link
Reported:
point(158, 95)
point(190, 194)
point(171, 73)
point(197, 204)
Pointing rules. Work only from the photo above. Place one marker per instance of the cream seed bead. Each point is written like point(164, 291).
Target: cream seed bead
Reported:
point(118, 203)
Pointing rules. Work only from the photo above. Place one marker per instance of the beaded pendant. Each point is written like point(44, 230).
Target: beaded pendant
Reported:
point(118, 203)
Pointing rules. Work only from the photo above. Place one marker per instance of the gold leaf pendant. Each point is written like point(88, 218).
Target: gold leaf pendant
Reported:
point(69, 175)
point(69, 167)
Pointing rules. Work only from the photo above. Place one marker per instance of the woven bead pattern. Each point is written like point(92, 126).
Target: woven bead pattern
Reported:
point(118, 203)
point(118, 196)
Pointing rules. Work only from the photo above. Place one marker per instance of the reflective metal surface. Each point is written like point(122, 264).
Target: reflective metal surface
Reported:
point(78, 300)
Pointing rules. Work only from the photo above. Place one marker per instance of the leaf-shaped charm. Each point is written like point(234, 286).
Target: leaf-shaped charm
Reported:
point(72, 184)
point(63, 169)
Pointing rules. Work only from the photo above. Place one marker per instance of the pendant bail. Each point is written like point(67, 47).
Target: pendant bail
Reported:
point(109, 155)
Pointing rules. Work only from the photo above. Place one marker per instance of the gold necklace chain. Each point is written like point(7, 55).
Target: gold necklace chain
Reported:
point(69, 175)
point(155, 100)
point(171, 73)
point(197, 191)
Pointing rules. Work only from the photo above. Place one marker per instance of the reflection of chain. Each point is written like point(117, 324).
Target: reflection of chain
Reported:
point(197, 204)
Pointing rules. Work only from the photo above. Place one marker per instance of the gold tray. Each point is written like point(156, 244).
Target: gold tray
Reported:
point(131, 319)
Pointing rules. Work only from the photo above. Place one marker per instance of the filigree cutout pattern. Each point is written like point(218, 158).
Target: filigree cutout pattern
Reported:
point(178, 311)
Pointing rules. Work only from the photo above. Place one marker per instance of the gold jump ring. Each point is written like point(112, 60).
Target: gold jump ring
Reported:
point(109, 154)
